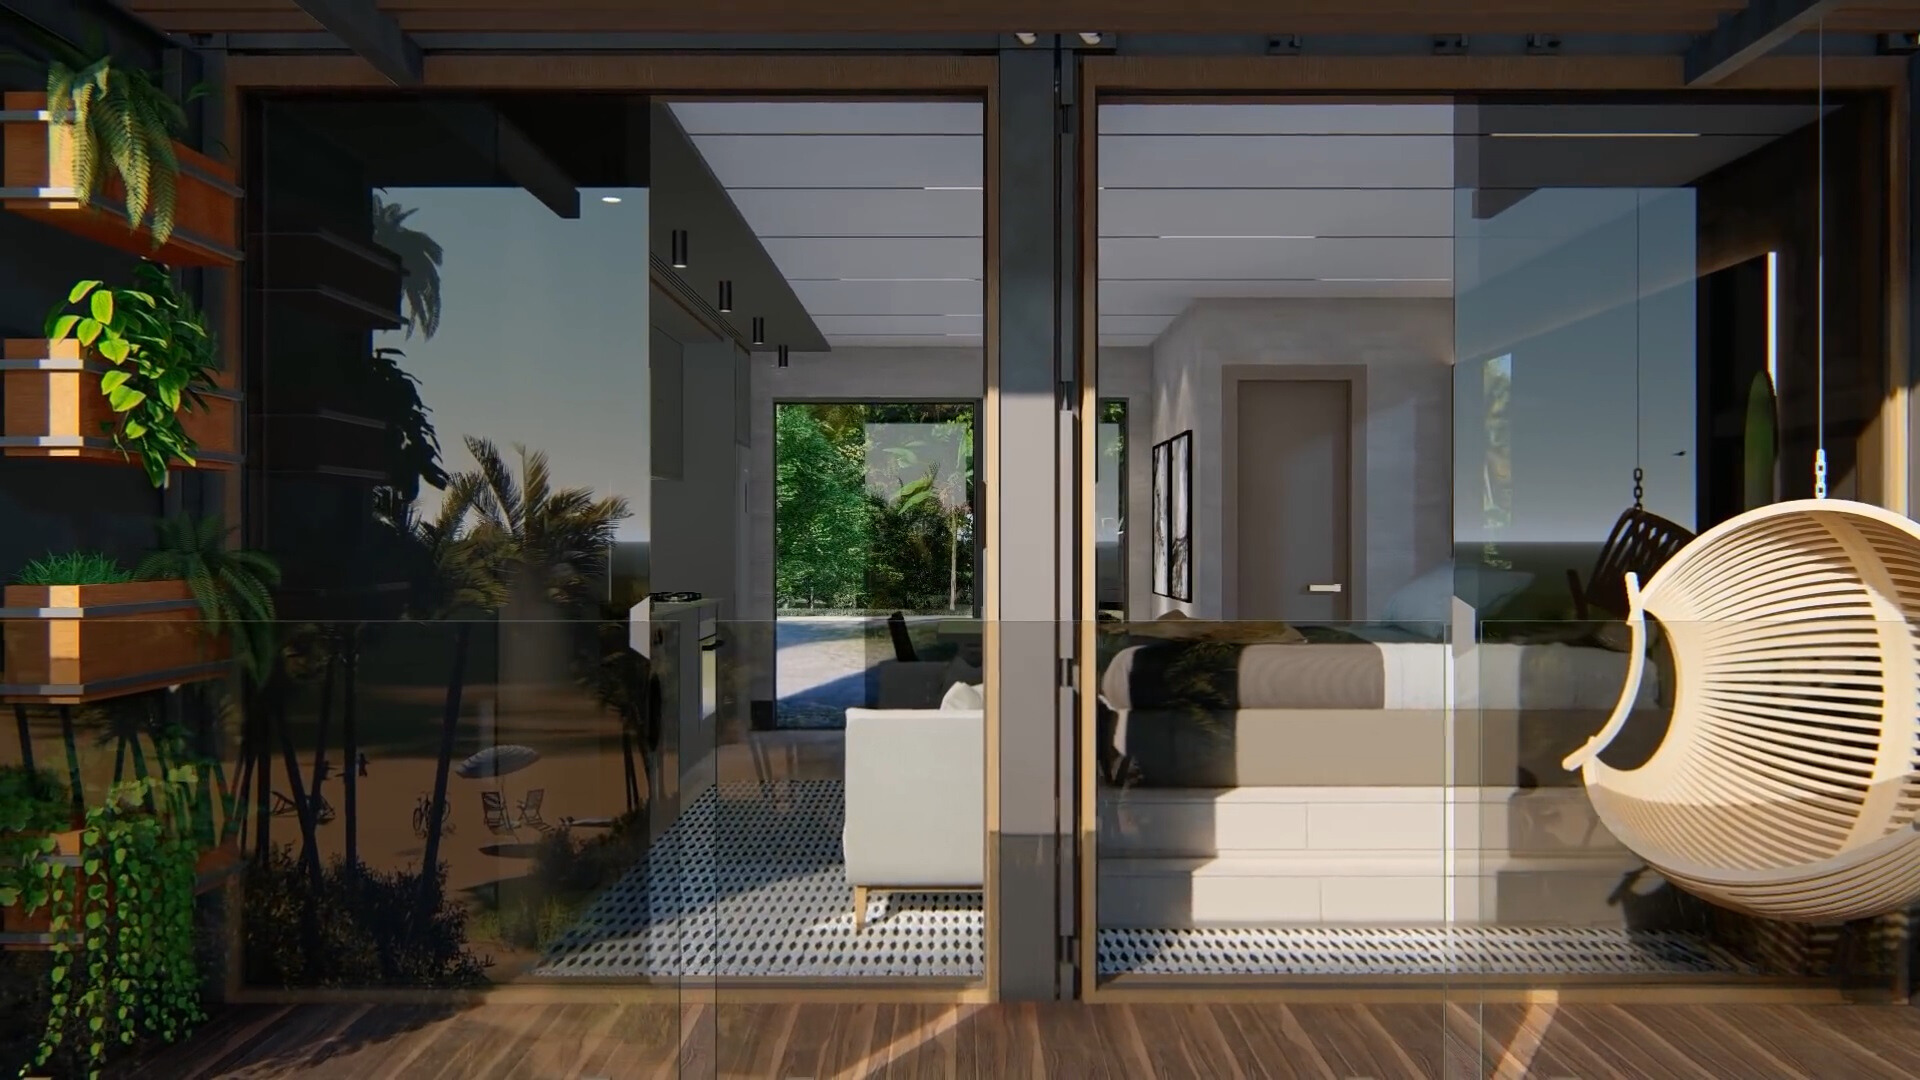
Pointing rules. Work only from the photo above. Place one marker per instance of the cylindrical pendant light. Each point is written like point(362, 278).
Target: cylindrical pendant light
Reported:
point(679, 249)
point(759, 330)
point(782, 356)
point(726, 298)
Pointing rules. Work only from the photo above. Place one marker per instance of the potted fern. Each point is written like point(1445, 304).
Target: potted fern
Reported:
point(82, 628)
point(123, 374)
point(99, 151)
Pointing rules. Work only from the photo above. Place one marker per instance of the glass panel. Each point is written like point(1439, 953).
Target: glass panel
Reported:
point(1638, 341)
point(832, 816)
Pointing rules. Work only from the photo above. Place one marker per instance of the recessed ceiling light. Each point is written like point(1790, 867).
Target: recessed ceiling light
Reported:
point(609, 199)
point(1593, 134)
point(1089, 38)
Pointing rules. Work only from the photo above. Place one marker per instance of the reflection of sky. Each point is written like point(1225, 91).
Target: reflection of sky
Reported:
point(543, 335)
point(1579, 344)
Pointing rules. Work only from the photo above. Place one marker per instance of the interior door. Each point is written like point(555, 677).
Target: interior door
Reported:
point(1294, 501)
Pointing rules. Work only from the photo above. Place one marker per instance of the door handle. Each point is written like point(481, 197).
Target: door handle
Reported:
point(1329, 588)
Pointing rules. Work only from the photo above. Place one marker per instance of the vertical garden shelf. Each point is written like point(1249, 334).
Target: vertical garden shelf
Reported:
point(54, 408)
point(73, 644)
point(37, 182)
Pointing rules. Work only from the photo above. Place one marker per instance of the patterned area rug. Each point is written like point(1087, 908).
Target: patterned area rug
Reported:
point(1440, 950)
point(749, 883)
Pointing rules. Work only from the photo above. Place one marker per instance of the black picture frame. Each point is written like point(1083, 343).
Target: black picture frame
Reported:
point(1173, 517)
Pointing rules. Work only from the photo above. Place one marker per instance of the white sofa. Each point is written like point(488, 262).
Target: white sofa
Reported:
point(916, 802)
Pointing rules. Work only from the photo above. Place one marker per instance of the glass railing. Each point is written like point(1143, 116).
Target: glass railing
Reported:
point(739, 804)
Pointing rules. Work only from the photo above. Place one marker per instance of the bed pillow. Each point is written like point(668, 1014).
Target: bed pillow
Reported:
point(1421, 606)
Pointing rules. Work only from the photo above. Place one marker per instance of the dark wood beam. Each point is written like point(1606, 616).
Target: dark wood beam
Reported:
point(378, 39)
point(1749, 34)
point(373, 34)
point(522, 161)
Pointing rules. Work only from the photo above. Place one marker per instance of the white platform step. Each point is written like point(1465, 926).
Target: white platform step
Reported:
point(1377, 888)
point(1205, 822)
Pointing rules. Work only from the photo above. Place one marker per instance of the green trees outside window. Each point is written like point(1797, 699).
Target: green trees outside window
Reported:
point(874, 507)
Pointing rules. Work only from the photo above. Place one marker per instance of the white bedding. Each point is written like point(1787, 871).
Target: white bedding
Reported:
point(1499, 676)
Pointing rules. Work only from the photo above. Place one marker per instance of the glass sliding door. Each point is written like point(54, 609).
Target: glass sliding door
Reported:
point(1638, 338)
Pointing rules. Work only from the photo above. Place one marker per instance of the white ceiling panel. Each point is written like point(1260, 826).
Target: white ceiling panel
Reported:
point(826, 298)
point(1371, 258)
point(878, 257)
point(830, 117)
point(905, 341)
point(1133, 324)
point(1166, 298)
point(1316, 119)
point(867, 325)
point(845, 212)
point(1268, 212)
point(1276, 161)
point(852, 161)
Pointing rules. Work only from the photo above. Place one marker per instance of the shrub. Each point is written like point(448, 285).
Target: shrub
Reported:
point(367, 924)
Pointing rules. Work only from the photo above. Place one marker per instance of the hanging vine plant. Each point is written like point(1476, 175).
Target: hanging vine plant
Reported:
point(124, 962)
point(162, 361)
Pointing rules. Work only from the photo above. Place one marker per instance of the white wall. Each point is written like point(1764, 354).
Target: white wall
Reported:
point(695, 515)
point(1407, 348)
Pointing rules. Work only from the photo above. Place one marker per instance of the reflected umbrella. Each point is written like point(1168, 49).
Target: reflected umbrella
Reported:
point(497, 761)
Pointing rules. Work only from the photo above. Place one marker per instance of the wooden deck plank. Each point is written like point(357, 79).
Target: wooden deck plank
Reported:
point(1420, 1033)
point(1350, 1050)
point(1245, 1024)
point(1803, 1037)
point(910, 1041)
point(1723, 1047)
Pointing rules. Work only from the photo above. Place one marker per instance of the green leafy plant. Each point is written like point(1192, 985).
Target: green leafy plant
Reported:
point(33, 804)
point(125, 965)
point(232, 587)
point(162, 361)
point(119, 120)
point(420, 257)
point(74, 568)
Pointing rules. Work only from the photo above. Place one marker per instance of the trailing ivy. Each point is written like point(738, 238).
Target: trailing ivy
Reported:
point(161, 361)
point(32, 806)
point(124, 964)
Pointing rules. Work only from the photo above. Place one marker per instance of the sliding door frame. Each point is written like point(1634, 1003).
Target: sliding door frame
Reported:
point(1124, 79)
point(680, 76)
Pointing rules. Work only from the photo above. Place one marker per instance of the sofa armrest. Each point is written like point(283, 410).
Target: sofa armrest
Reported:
point(916, 797)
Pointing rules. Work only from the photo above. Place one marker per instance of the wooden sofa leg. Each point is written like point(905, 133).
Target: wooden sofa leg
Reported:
point(859, 907)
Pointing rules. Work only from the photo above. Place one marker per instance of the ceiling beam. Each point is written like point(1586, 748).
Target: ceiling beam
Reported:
point(374, 35)
point(523, 162)
point(378, 39)
point(1749, 34)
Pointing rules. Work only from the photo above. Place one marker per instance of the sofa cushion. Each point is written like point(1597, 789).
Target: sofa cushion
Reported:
point(963, 696)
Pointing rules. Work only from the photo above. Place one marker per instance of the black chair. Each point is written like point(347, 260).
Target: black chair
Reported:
point(902, 642)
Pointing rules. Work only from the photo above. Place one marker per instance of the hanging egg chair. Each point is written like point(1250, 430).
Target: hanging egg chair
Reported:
point(1786, 784)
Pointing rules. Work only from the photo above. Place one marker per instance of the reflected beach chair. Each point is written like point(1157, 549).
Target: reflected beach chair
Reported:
point(493, 807)
point(530, 811)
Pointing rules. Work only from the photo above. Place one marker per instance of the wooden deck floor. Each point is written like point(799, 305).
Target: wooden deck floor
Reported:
point(853, 1042)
